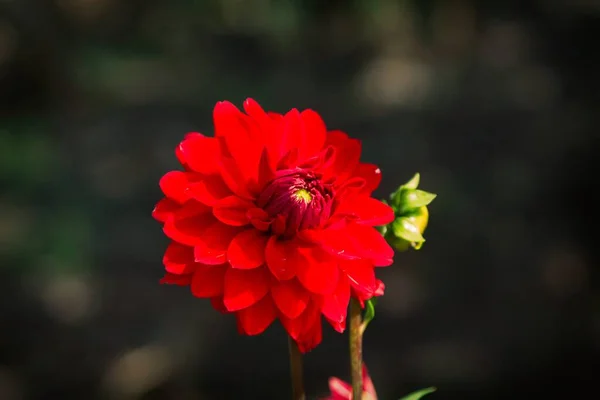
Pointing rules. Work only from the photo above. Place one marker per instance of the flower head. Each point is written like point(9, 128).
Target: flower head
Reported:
point(272, 218)
point(341, 390)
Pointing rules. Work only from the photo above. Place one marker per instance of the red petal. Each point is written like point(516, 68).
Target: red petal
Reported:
point(266, 170)
point(208, 281)
point(283, 258)
point(165, 209)
point(180, 280)
point(212, 247)
point(350, 188)
point(371, 244)
point(320, 273)
point(289, 160)
point(371, 174)
point(301, 326)
point(244, 287)
point(368, 386)
point(367, 210)
point(339, 389)
point(174, 185)
point(232, 211)
point(259, 218)
point(379, 289)
point(275, 116)
point(235, 179)
point(293, 132)
point(247, 249)
point(271, 137)
point(179, 259)
point(241, 136)
point(336, 242)
point(346, 155)
point(255, 319)
point(186, 227)
point(200, 153)
point(254, 110)
point(290, 297)
point(217, 303)
point(361, 275)
point(209, 190)
point(311, 337)
point(339, 326)
point(315, 133)
point(335, 305)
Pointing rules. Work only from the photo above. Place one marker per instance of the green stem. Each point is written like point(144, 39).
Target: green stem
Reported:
point(296, 370)
point(356, 332)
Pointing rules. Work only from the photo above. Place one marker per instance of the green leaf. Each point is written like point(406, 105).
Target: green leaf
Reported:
point(413, 183)
point(369, 311)
point(406, 230)
point(419, 394)
point(396, 197)
point(411, 199)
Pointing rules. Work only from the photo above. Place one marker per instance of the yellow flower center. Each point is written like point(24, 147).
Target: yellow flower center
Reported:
point(302, 195)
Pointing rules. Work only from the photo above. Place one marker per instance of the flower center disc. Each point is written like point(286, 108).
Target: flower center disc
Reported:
point(298, 198)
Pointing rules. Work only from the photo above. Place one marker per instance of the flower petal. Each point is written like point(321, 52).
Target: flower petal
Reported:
point(199, 153)
point(361, 275)
point(209, 190)
point(232, 211)
point(345, 158)
point(371, 244)
point(235, 179)
point(335, 305)
point(283, 258)
point(244, 287)
point(306, 330)
point(371, 175)
point(315, 133)
point(320, 273)
point(165, 209)
point(241, 135)
point(211, 248)
point(247, 249)
point(179, 259)
point(295, 327)
point(290, 298)
point(259, 218)
point(271, 138)
point(338, 326)
point(367, 210)
point(186, 227)
point(174, 185)
point(208, 281)
point(255, 319)
point(293, 132)
point(311, 338)
point(336, 242)
point(339, 389)
point(217, 303)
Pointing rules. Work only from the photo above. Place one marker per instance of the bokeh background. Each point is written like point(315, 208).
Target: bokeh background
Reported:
point(495, 103)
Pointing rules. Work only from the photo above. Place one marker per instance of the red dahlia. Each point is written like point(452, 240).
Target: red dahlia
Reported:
point(272, 218)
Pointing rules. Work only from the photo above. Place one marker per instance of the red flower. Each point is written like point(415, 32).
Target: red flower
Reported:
point(272, 218)
point(341, 390)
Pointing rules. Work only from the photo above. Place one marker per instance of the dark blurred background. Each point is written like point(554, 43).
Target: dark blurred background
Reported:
point(495, 103)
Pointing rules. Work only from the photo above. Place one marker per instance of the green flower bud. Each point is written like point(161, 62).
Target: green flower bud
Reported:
point(412, 216)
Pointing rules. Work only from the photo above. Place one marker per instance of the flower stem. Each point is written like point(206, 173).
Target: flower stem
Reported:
point(356, 349)
point(296, 370)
